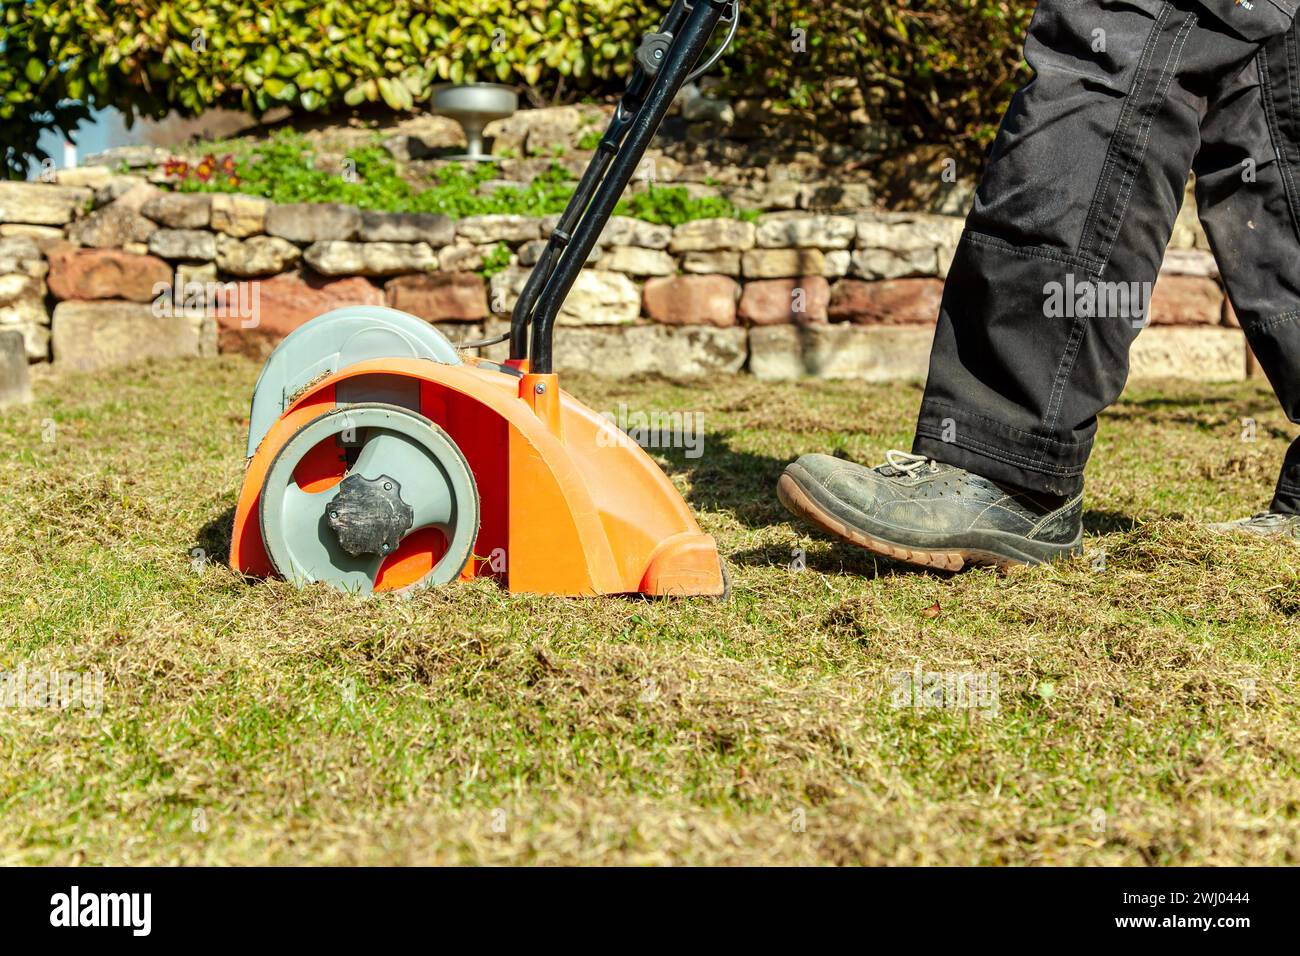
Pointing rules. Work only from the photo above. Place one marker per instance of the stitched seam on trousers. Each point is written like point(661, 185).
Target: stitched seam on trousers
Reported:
point(1032, 252)
point(1008, 457)
point(1121, 126)
point(1166, 79)
point(1063, 372)
point(1131, 158)
point(965, 413)
point(1275, 132)
point(1280, 319)
point(1280, 146)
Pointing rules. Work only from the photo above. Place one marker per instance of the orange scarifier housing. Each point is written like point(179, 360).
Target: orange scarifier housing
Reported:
point(569, 505)
point(507, 475)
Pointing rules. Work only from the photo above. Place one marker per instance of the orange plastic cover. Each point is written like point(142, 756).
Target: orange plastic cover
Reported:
point(568, 504)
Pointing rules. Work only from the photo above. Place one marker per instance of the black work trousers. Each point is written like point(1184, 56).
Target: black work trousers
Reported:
point(1048, 287)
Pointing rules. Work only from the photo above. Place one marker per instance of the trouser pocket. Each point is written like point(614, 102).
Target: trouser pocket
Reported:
point(1252, 19)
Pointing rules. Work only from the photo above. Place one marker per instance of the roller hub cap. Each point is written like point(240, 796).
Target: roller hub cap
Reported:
point(369, 497)
point(368, 516)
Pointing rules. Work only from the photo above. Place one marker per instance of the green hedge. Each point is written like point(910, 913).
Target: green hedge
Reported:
point(938, 68)
point(310, 55)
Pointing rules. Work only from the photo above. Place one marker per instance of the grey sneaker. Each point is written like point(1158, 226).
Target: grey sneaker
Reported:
point(924, 512)
point(1267, 523)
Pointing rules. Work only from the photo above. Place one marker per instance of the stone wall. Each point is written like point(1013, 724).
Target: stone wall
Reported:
point(828, 293)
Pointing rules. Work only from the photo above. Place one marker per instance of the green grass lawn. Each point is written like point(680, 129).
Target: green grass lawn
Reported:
point(1147, 708)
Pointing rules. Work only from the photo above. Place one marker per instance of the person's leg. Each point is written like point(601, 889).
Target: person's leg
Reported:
point(1248, 196)
point(1073, 215)
point(1046, 293)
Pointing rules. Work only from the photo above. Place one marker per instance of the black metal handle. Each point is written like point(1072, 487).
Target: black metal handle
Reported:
point(690, 23)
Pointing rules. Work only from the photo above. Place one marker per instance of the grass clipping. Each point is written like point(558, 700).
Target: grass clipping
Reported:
point(1144, 707)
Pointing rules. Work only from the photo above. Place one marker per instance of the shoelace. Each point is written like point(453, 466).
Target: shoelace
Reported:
point(1269, 518)
point(908, 464)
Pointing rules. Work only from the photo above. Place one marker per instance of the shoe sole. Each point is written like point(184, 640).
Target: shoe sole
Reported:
point(800, 503)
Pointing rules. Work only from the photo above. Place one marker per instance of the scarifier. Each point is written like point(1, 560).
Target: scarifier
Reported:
point(381, 459)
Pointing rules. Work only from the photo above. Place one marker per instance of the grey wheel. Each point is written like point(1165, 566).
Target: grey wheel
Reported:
point(404, 495)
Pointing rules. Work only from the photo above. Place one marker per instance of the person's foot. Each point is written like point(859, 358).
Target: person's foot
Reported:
point(1268, 523)
point(924, 512)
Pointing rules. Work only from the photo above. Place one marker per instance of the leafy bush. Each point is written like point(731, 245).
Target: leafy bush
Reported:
point(498, 260)
point(674, 205)
point(32, 96)
point(936, 70)
point(939, 70)
point(284, 169)
point(310, 55)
